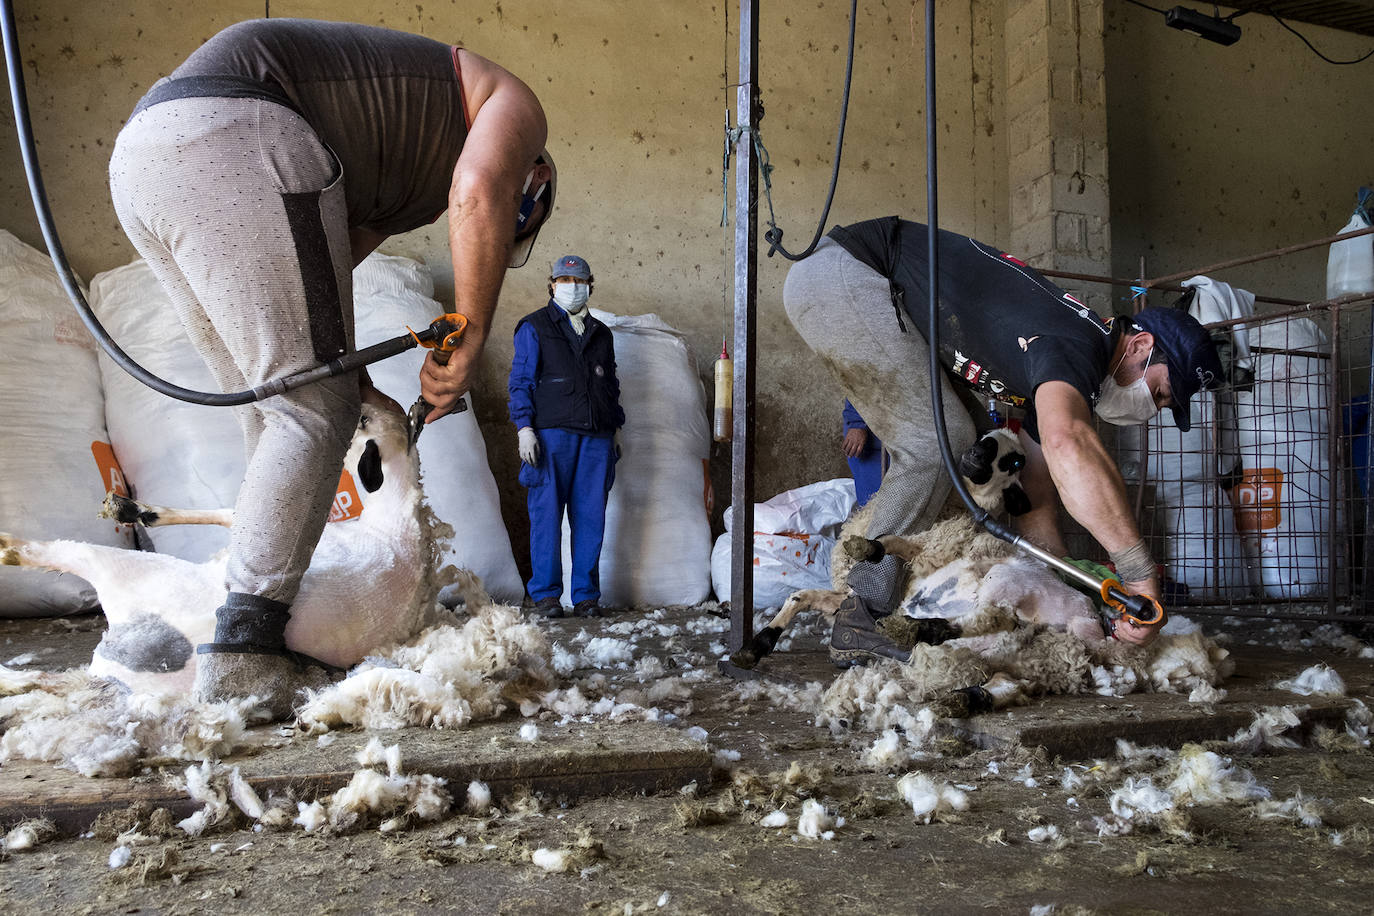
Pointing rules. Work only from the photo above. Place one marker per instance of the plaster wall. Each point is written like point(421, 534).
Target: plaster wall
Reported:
point(636, 96)
point(1221, 152)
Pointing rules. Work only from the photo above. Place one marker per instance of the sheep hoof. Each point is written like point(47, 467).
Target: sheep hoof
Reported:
point(760, 646)
point(125, 511)
point(963, 703)
point(863, 549)
point(911, 631)
point(745, 658)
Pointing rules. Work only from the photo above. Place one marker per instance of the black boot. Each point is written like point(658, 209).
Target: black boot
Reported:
point(855, 640)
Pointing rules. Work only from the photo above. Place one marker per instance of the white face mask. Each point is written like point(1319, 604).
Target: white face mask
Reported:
point(1127, 405)
point(571, 297)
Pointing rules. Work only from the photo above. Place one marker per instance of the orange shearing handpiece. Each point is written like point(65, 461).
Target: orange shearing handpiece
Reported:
point(442, 337)
point(1140, 609)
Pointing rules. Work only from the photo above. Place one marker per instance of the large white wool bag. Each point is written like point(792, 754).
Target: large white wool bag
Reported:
point(174, 453)
point(389, 294)
point(51, 484)
point(657, 548)
point(1282, 503)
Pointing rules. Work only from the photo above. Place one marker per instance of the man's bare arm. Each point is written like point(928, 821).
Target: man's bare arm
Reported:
point(1089, 483)
point(508, 132)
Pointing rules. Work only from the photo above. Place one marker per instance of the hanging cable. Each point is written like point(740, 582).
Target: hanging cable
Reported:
point(1303, 39)
point(774, 234)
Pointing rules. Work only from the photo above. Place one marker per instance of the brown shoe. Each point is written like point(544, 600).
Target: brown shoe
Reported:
point(589, 608)
point(855, 640)
point(549, 607)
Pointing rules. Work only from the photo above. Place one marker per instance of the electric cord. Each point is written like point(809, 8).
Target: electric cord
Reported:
point(774, 234)
point(1340, 63)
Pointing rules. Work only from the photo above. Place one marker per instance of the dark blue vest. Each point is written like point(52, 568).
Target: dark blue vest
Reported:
point(574, 389)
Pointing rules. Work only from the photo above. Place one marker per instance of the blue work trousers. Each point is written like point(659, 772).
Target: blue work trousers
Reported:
point(575, 473)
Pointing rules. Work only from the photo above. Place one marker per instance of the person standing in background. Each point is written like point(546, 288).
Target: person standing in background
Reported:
point(565, 403)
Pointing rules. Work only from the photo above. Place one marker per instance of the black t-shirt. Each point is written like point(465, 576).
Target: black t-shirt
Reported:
point(1004, 329)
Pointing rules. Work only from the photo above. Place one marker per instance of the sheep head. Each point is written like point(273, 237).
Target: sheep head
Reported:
point(992, 469)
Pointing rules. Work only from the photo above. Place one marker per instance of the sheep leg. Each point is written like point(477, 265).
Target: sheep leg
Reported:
point(128, 512)
point(11, 550)
point(998, 692)
point(764, 641)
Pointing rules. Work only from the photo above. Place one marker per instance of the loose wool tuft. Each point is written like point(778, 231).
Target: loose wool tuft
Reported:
point(445, 678)
point(815, 823)
point(98, 728)
point(1318, 680)
point(927, 800)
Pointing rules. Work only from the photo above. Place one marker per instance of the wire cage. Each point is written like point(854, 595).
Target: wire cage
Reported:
point(1261, 508)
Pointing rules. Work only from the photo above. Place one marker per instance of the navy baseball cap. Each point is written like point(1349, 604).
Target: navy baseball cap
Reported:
point(570, 265)
point(1190, 353)
point(520, 253)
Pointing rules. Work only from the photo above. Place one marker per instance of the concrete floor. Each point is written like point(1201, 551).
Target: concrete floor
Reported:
point(619, 782)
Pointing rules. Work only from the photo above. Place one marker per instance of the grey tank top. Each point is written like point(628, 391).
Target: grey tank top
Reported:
point(388, 104)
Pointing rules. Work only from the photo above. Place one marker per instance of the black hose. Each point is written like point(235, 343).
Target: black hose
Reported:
point(937, 396)
point(347, 363)
point(774, 235)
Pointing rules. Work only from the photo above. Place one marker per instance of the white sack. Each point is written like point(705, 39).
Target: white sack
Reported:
point(51, 408)
point(1203, 550)
point(177, 454)
point(390, 293)
point(1282, 502)
point(657, 548)
point(794, 534)
point(1350, 264)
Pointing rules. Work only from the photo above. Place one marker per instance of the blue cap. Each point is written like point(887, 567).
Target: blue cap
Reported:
point(570, 265)
point(1192, 357)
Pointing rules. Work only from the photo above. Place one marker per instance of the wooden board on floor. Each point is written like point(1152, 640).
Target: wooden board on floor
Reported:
point(569, 761)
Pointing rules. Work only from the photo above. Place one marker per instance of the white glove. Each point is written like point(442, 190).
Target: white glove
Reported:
point(529, 446)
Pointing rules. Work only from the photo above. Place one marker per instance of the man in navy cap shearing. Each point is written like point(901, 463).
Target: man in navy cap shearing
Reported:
point(1006, 333)
point(565, 402)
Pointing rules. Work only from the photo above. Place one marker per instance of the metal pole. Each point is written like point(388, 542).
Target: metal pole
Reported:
point(747, 115)
point(1333, 457)
point(1367, 532)
point(1250, 259)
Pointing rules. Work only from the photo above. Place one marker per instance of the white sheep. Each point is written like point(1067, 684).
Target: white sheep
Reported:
point(371, 581)
point(991, 470)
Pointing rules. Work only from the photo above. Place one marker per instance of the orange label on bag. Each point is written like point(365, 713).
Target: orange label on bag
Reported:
point(111, 475)
point(1257, 499)
point(347, 505)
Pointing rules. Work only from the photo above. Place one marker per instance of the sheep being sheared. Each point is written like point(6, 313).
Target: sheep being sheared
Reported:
point(991, 469)
point(371, 581)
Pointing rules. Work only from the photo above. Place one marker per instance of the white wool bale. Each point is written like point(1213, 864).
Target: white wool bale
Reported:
point(389, 294)
point(52, 410)
point(657, 546)
point(794, 536)
point(176, 454)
